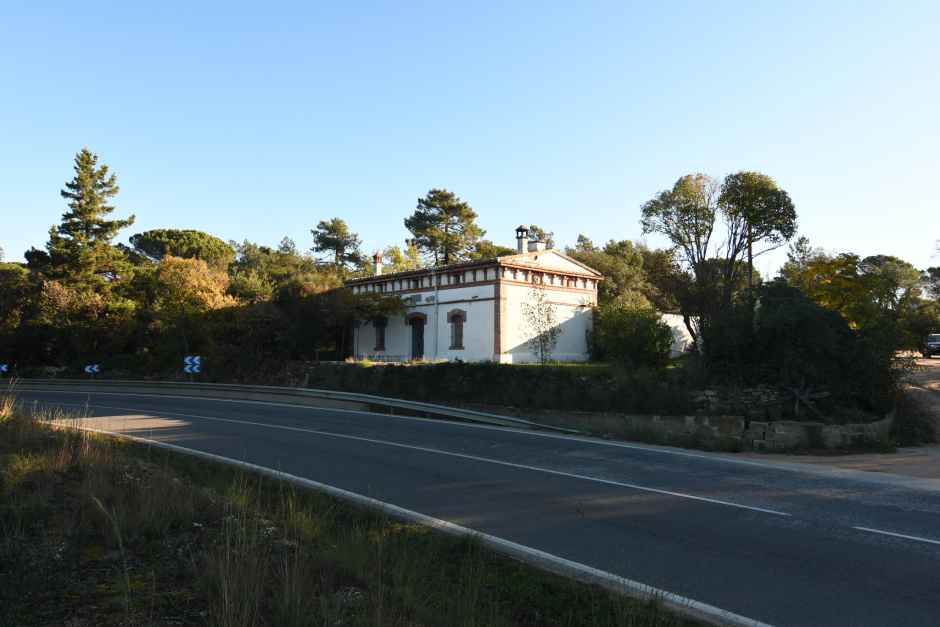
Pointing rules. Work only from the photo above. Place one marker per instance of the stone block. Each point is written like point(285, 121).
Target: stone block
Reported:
point(757, 413)
point(758, 425)
point(727, 425)
point(787, 427)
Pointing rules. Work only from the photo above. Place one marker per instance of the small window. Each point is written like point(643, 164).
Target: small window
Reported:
point(456, 331)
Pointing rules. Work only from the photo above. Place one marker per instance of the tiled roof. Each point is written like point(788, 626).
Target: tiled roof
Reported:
point(517, 259)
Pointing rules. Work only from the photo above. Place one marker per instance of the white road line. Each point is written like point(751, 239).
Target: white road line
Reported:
point(897, 535)
point(458, 455)
point(581, 572)
point(649, 448)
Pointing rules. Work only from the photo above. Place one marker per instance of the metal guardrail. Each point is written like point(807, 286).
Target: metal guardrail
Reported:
point(272, 394)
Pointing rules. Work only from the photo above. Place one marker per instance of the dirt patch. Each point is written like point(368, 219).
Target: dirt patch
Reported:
point(922, 462)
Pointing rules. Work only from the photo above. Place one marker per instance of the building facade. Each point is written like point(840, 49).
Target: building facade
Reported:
point(473, 311)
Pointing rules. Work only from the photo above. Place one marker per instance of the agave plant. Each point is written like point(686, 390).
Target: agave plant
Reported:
point(804, 394)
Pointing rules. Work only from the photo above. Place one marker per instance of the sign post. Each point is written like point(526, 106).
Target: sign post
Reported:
point(92, 370)
point(191, 364)
point(3, 368)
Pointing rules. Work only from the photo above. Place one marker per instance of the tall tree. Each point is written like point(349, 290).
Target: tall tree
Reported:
point(334, 237)
point(686, 214)
point(752, 209)
point(79, 249)
point(755, 210)
point(443, 227)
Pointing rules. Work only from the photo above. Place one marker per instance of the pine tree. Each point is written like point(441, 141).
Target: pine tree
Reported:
point(443, 227)
point(79, 249)
point(334, 237)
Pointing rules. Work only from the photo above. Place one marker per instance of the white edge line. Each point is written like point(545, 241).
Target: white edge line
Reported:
point(897, 535)
point(581, 572)
point(652, 448)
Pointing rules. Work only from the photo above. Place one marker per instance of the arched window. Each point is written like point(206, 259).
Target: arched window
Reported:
point(456, 331)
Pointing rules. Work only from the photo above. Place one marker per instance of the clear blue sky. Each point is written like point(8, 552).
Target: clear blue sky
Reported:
point(257, 120)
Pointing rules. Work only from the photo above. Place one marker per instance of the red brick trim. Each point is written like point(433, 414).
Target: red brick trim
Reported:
point(423, 317)
point(499, 316)
point(453, 312)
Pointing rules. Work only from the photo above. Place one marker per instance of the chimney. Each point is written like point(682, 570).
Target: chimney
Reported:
point(522, 238)
point(377, 263)
point(536, 245)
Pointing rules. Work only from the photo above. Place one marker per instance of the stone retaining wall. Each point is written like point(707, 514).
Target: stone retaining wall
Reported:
point(785, 433)
point(761, 397)
point(756, 433)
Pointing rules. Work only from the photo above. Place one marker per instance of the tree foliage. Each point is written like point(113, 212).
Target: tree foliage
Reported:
point(930, 283)
point(443, 227)
point(397, 260)
point(755, 210)
point(621, 263)
point(630, 333)
point(800, 258)
point(751, 208)
point(540, 323)
point(539, 234)
point(899, 287)
point(260, 272)
point(484, 249)
point(334, 238)
point(79, 250)
point(188, 288)
point(185, 244)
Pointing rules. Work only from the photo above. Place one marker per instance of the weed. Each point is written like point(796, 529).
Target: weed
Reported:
point(815, 436)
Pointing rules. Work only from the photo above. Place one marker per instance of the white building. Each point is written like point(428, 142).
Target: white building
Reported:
point(473, 311)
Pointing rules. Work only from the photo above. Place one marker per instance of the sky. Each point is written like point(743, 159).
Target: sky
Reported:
point(254, 121)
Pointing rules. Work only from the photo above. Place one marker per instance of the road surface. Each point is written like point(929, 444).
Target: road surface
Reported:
point(777, 543)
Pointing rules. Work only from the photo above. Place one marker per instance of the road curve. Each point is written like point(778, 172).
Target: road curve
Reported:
point(775, 543)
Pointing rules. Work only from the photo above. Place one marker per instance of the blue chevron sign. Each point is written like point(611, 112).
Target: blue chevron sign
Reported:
point(4, 368)
point(191, 369)
point(192, 360)
point(90, 369)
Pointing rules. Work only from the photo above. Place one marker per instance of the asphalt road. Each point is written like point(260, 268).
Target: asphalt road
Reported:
point(780, 544)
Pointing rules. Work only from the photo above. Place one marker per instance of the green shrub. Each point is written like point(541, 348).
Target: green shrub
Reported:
point(633, 334)
point(781, 336)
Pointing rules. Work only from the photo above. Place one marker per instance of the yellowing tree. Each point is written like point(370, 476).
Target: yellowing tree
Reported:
point(185, 289)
